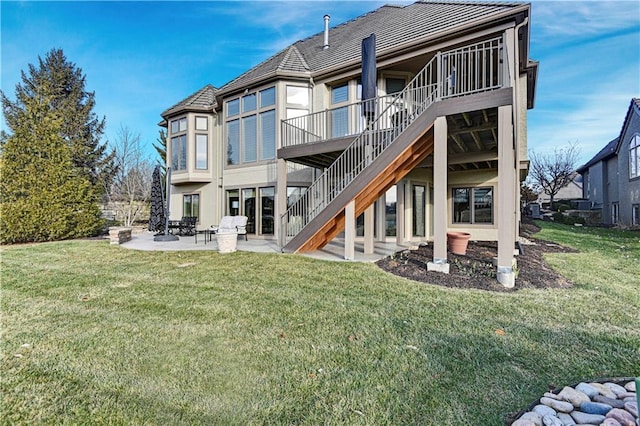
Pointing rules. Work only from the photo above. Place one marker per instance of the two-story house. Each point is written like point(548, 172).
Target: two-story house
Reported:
point(401, 124)
point(611, 179)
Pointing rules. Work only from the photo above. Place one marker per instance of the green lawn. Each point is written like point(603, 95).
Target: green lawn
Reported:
point(124, 337)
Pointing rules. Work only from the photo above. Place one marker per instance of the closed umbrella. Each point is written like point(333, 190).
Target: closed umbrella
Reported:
point(156, 217)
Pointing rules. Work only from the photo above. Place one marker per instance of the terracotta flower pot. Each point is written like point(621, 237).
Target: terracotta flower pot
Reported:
point(458, 241)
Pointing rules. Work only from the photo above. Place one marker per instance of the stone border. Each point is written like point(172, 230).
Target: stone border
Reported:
point(119, 235)
point(510, 418)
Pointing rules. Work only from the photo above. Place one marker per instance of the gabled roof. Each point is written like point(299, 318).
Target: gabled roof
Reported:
point(613, 147)
point(201, 100)
point(396, 28)
point(634, 107)
point(605, 153)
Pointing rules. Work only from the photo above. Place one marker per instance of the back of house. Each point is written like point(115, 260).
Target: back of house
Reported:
point(437, 142)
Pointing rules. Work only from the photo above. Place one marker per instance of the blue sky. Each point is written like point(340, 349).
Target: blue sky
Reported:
point(142, 57)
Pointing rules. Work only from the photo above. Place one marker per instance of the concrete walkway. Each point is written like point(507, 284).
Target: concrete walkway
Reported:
point(333, 251)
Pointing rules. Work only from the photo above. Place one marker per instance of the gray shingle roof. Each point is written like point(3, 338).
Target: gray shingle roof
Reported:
point(608, 151)
point(394, 26)
point(613, 147)
point(201, 100)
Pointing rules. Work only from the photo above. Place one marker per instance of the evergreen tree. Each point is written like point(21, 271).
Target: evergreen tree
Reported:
point(43, 196)
point(161, 146)
point(63, 84)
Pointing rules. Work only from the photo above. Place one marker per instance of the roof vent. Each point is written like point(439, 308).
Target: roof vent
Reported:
point(326, 32)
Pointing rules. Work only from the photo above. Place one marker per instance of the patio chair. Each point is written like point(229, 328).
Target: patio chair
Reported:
point(232, 223)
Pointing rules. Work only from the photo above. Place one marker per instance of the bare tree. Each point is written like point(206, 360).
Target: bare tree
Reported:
point(131, 187)
point(551, 172)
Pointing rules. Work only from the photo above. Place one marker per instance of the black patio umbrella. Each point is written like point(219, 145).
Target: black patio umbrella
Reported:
point(156, 217)
point(369, 76)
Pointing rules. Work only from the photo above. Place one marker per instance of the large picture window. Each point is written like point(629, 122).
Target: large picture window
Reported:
point(191, 205)
point(202, 142)
point(634, 157)
point(179, 153)
point(473, 205)
point(251, 127)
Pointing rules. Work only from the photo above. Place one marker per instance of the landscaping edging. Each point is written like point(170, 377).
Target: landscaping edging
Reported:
point(608, 401)
point(119, 235)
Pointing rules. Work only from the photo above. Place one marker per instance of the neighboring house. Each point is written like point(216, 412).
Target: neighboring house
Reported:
point(442, 145)
point(573, 191)
point(611, 179)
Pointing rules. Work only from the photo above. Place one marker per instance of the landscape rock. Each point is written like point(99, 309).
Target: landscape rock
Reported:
point(604, 390)
point(631, 386)
point(524, 422)
point(632, 407)
point(551, 421)
point(562, 406)
point(573, 396)
point(587, 389)
point(621, 416)
point(615, 388)
point(610, 422)
point(529, 418)
point(615, 403)
point(595, 408)
point(584, 418)
point(544, 410)
point(551, 395)
point(566, 419)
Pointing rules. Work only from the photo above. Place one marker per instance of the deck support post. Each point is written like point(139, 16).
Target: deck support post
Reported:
point(440, 209)
point(281, 200)
point(400, 216)
point(368, 229)
point(507, 198)
point(350, 230)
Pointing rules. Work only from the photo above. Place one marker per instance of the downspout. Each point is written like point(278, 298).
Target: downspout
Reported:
point(516, 121)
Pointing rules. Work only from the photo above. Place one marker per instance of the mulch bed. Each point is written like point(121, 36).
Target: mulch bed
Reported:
point(476, 270)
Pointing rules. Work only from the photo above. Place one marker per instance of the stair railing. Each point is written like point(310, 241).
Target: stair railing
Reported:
point(458, 72)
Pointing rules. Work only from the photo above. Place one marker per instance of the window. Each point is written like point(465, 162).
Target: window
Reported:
point(233, 142)
point(233, 108)
point(267, 212)
point(615, 213)
point(294, 193)
point(419, 207)
point(202, 142)
point(390, 210)
point(635, 214)
point(252, 135)
point(249, 208)
point(179, 153)
point(179, 125)
point(394, 85)
point(473, 205)
point(634, 157)
point(268, 135)
point(201, 123)
point(268, 97)
point(233, 202)
point(249, 128)
point(191, 205)
point(339, 116)
point(298, 96)
point(249, 102)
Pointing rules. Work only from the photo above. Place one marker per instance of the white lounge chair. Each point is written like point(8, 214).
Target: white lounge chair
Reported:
point(232, 223)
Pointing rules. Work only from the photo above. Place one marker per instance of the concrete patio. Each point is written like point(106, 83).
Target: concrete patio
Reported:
point(334, 251)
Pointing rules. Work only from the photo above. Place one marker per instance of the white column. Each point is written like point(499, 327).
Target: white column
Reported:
point(507, 199)
point(440, 221)
point(350, 230)
point(368, 229)
point(281, 199)
point(400, 207)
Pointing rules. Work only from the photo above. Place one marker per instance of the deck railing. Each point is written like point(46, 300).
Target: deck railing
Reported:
point(446, 75)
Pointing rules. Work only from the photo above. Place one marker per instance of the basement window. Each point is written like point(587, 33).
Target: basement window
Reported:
point(473, 205)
